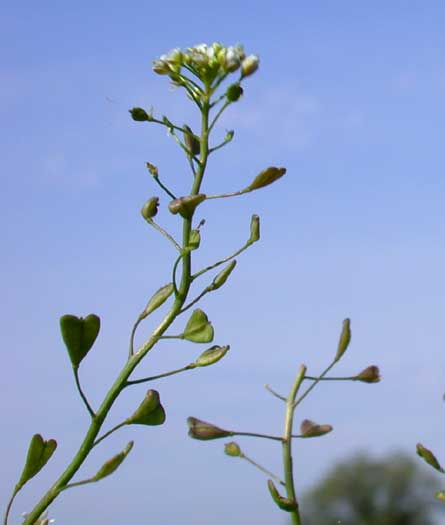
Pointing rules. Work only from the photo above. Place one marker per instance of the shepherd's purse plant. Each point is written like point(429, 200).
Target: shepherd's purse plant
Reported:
point(212, 78)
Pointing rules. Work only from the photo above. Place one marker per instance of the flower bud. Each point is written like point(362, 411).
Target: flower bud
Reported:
point(212, 355)
point(249, 65)
point(150, 411)
point(371, 374)
point(231, 59)
point(192, 142)
point(198, 328)
point(157, 299)
point(223, 275)
point(150, 208)
point(345, 339)
point(254, 229)
point(205, 431)
point(140, 115)
point(113, 464)
point(232, 449)
point(266, 177)
point(428, 456)
point(79, 335)
point(186, 206)
point(39, 453)
point(234, 92)
point(152, 169)
point(161, 67)
point(310, 429)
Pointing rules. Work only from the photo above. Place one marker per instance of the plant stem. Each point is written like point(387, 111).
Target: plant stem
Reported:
point(287, 444)
point(314, 384)
point(254, 434)
point(122, 379)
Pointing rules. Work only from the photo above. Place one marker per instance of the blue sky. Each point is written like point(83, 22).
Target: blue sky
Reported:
point(350, 98)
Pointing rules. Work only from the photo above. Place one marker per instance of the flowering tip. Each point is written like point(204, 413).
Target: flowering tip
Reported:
point(371, 374)
point(205, 431)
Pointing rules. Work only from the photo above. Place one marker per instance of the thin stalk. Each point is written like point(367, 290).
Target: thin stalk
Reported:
point(82, 395)
point(198, 298)
point(269, 389)
point(260, 467)
point(314, 384)
point(117, 427)
point(164, 233)
point(222, 261)
point(287, 444)
point(8, 507)
point(225, 195)
point(167, 191)
point(133, 333)
point(254, 434)
point(220, 111)
point(191, 366)
point(319, 378)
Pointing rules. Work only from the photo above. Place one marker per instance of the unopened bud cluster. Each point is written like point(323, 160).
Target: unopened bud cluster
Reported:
point(207, 62)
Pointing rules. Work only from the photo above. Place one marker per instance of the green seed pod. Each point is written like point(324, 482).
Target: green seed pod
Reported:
point(212, 355)
point(254, 229)
point(140, 115)
point(150, 411)
point(371, 374)
point(310, 429)
point(157, 299)
point(283, 503)
point(150, 208)
point(195, 239)
point(198, 328)
point(186, 206)
point(222, 277)
point(234, 92)
point(113, 464)
point(205, 431)
point(152, 169)
point(266, 177)
point(79, 335)
point(39, 453)
point(345, 339)
point(428, 456)
point(192, 142)
point(232, 449)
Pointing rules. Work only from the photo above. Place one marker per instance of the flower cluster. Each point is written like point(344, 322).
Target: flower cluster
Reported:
point(207, 62)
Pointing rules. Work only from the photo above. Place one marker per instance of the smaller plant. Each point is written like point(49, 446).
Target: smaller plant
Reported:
point(308, 429)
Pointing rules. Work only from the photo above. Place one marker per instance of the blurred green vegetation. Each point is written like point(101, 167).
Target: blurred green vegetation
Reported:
point(362, 490)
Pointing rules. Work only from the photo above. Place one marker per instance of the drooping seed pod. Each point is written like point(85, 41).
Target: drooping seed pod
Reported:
point(205, 431)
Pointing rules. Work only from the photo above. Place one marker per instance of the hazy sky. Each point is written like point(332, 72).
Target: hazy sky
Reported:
point(350, 98)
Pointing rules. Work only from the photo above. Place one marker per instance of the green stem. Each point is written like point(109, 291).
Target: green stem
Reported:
point(121, 381)
point(319, 378)
point(198, 298)
point(82, 395)
point(167, 191)
point(287, 444)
